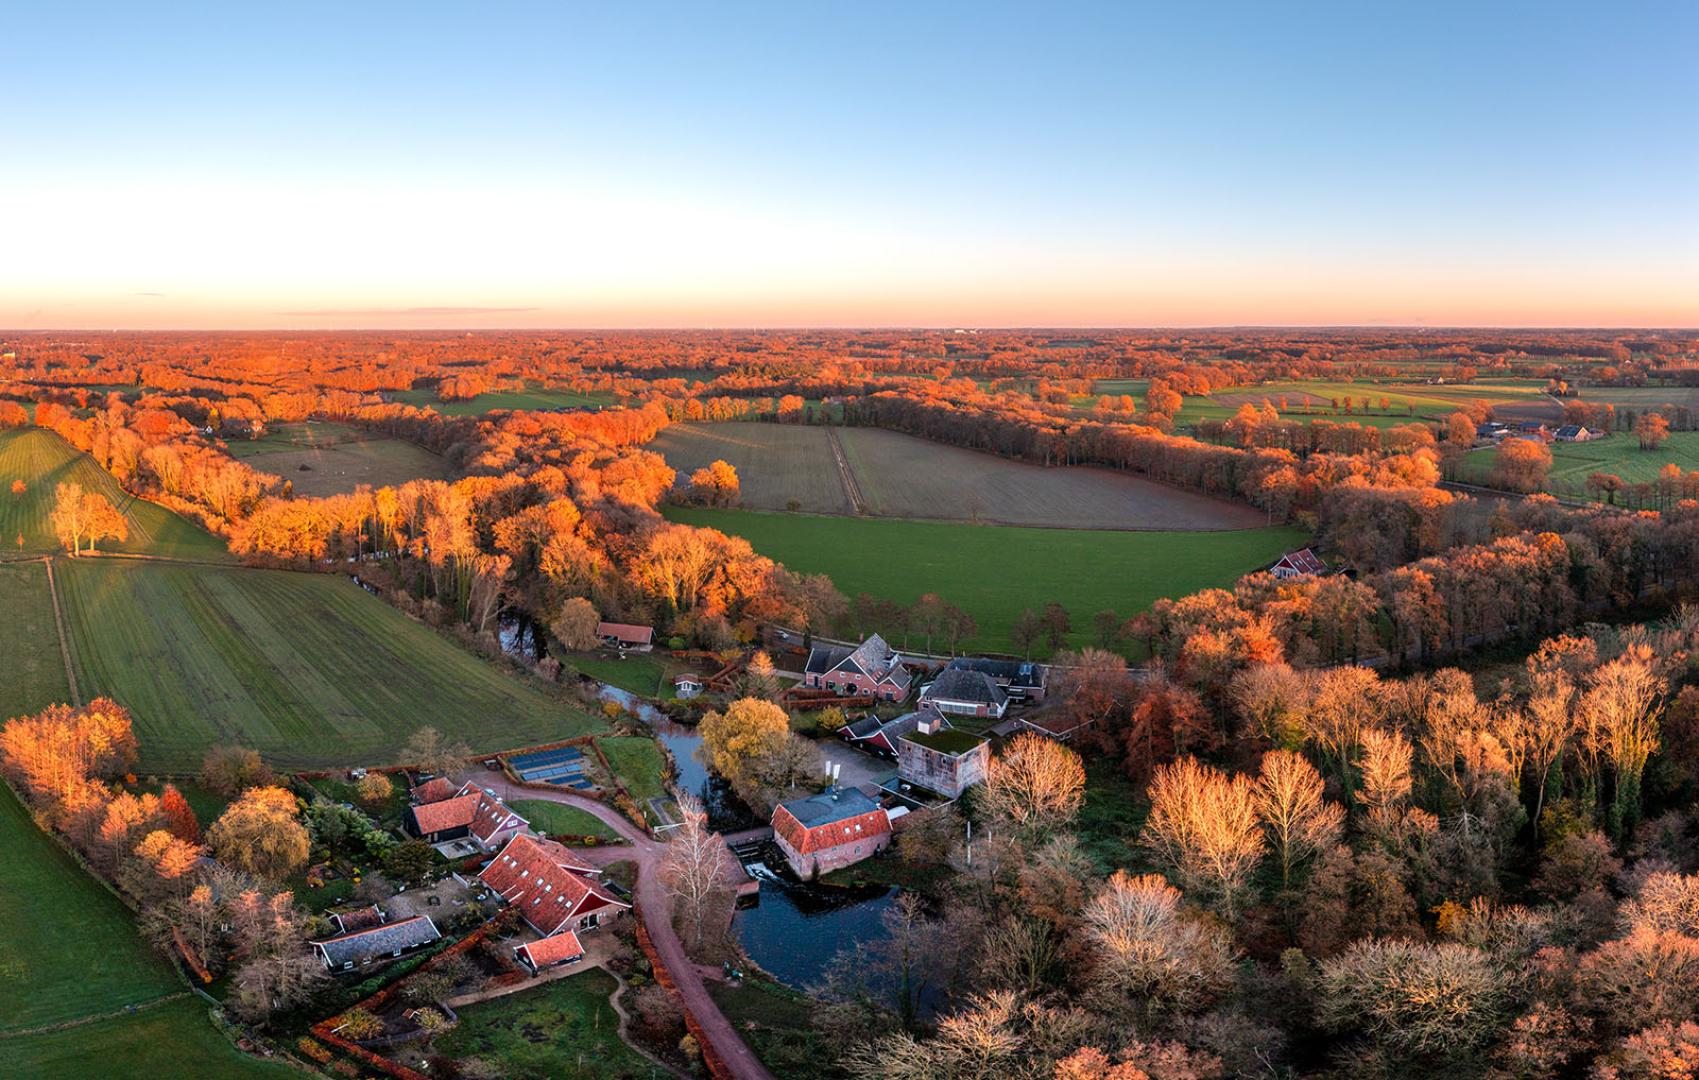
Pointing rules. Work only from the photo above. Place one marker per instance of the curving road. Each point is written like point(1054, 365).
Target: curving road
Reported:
point(657, 911)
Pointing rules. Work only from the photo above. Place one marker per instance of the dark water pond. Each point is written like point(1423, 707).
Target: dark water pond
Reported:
point(521, 636)
point(797, 929)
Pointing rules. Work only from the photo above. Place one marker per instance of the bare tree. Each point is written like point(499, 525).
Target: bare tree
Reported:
point(1620, 711)
point(1035, 785)
point(696, 870)
point(1298, 820)
point(1150, 949)
point(1203, 824)
point(1386, 776)
point(434, 753)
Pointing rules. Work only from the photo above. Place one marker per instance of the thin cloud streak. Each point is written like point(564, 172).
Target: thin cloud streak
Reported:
point(382, 313)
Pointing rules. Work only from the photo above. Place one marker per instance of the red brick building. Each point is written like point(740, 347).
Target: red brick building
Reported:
point(829, 831)
point(872, 669)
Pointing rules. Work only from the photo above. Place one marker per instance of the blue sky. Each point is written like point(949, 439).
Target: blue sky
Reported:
point(173, 165)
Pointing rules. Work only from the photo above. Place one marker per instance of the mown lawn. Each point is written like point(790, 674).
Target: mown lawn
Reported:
point(638, 762)
point(992, 572)
point(68, 948)
point(43, 461)
point(175, 1039)
point(560, 1029)
point(34, 669)
point(305, 668)
point(558, 819)
point(538, 399)
point(643, 674)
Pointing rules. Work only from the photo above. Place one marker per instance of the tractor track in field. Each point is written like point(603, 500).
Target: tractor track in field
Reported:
point(64, 638)
point(852, 486)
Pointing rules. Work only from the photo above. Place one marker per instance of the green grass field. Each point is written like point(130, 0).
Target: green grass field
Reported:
point(34, 670)
point(43, 461)
point(1619, 454)
point(558, 819)
point(332, 459)
point(308, 669)
point(901, 476)
point(993, 572)
point(1315, 399)
point(565, 1028)
point(538, 399)
point(641, 673)
point(175, 1039)
point(775, 463)
point(638, 762)
point(69, 949)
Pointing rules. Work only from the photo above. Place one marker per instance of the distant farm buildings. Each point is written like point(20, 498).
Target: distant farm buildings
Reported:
point(1302, 563)
point(1574, 433)
point(872, 669)
point(829, 831)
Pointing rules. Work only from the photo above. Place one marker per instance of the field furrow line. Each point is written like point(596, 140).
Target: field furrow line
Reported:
point(64, 639)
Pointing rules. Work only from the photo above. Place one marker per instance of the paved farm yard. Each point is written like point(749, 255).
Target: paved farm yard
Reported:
point(306, 668)
point(992, 572)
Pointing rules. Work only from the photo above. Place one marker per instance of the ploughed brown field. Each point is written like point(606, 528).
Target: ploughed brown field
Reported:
point(795, 467)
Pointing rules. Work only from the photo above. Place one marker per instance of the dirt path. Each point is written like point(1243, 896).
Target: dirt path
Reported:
point(64, 638)
point(852, 487)
point(657, 912)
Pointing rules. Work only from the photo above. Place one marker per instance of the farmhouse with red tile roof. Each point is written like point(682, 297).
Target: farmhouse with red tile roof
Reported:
point(472, 812)
point(561, 948)
point(871, 669)
point(436, 789)
point(829, 831)
point(551, 888)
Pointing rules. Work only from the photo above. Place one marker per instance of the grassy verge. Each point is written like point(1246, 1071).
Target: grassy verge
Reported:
point(778, 1024)
point(644, 674)
point(558, 819)
point(637, 761)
